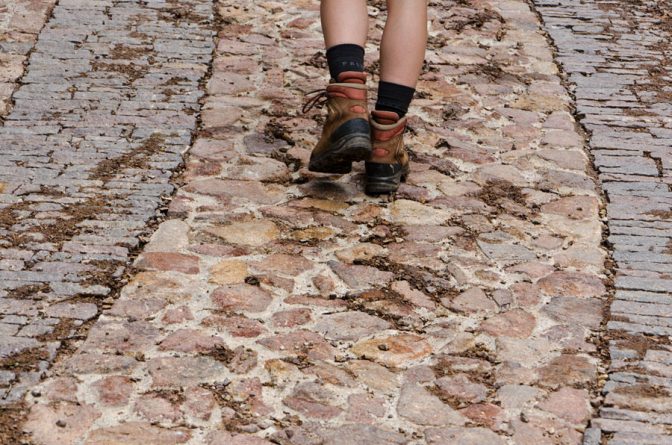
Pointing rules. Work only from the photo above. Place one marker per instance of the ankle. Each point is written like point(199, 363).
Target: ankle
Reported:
point(395, 98)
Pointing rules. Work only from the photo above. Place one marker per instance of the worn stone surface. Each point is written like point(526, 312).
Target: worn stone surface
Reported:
point(105, 108)
point(615, 55)
point(276, 305)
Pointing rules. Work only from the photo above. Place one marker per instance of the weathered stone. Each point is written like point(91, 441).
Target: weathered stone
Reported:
point(300, 343)
point(514, 323)
point(171, 372)
point(350, 325)
point(60, 423)
point(114, 390)
point(313, 401)
point(462, 436)
point(251, 233)
point(137, 433)
point(395, 351)
point(228, 272)
point(572, 284)
point(417, 405)
point(569, 404)
point(241, 297)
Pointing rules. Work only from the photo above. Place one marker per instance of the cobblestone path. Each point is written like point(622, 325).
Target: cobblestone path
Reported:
point(20, 22)
point(279, 306)
point(107, 105)
point(617, 57)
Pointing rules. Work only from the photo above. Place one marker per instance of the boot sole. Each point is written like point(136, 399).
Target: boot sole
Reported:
point(351, 142)
point(384, 178)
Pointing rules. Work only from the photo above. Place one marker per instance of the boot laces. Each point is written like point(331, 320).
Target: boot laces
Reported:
point(318, 100)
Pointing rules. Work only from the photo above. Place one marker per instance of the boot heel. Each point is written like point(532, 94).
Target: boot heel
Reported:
point(384, 178)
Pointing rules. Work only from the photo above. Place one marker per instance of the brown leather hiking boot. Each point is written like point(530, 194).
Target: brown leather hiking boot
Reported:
point(389, 162)
point(346, 136)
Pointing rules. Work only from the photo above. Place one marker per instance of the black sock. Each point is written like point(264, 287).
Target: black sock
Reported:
point(346, 57)
point(394, 97)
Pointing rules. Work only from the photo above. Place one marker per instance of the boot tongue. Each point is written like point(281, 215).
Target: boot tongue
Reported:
point(352, 77)
point(385, 117)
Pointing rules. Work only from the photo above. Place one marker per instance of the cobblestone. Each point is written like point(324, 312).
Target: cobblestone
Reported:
point(616, 67)
point(107, 104)
point(302, 311)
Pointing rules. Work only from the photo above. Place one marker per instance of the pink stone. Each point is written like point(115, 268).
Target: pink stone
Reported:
point(313, 400)
point(114, 390)
point(460, 387)
point(472, 301)
point(61, 389)
point(484, 414)
point(573, 207)
point(177, 315)
point(417, 405)
point(393, 351)
point(526, 295)
point(584, 312)
point(572, 284)
point(361, 277)
point(570, 404)
point(137, 307)
point(156, 409)
point(115, 336)
point(241, 297)
point(199, 403)
point(243, 360)
point(365, 408)
point(514, 323)
point(248, 190)
point(351, 325)
point(227, 438)
point(413, 296)
point(291, 318)
point(373, 375)
point(75, 418)
point(169, 261)
point(291, 265)
point(236, 325)
point(331, 374)
point(305, 343)
point(190, 340)
point(137, 433)
point(532, 269)
point(171, 372)
point(249, 390)
point(463, 436)
point(568, 370)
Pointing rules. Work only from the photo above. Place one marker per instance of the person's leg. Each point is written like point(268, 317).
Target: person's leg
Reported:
point(345, 24)
point(346, 134)
point(402, 54)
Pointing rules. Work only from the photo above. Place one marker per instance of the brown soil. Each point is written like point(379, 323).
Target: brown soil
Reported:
point(137, 158)
point(131, 71)
point(24, 361)
point(499, 194)
point(11, 425)
point(643, 390)
point(129, 52)
point(28, 291)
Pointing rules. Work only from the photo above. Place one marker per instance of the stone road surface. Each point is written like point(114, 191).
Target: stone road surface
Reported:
point(20, 22)
point(617, 55)
point(274, 305)
point(104, 111)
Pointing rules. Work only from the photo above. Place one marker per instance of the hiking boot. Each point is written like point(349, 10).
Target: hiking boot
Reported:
point(389, 162)
point(346, 136)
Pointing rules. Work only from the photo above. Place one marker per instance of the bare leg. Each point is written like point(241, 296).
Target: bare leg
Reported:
point(344, 21)
point(402, 51)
